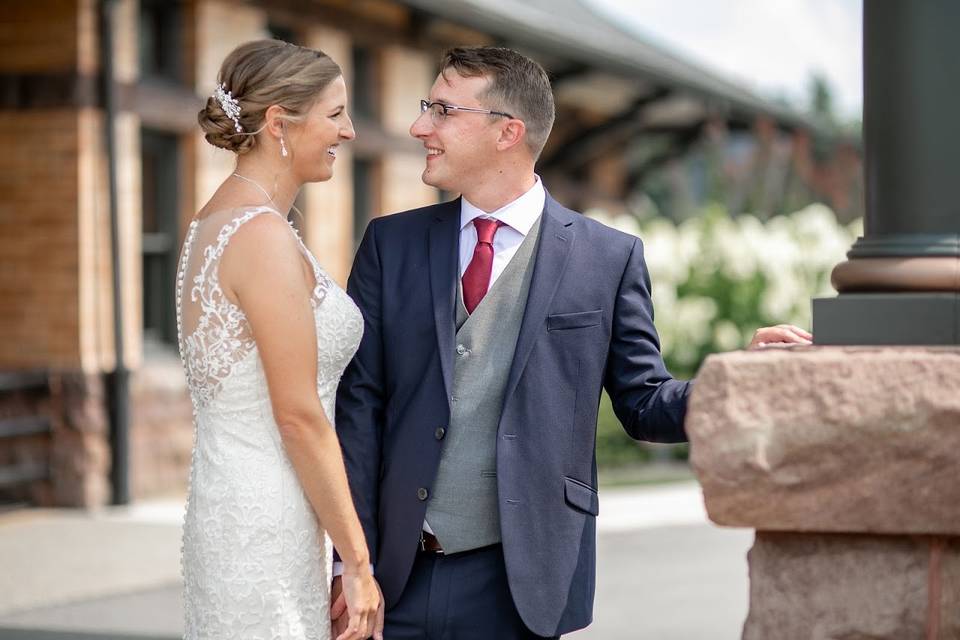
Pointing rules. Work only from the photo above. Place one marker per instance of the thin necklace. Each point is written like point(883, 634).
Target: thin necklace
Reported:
point(254, 183)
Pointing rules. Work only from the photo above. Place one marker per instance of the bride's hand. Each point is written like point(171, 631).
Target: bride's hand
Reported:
point(364, 602)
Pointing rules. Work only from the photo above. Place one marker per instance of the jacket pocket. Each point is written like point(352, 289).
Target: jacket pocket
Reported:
point(575, 320)
point(581, 496)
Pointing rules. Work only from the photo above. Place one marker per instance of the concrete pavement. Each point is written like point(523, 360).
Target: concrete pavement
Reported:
point(664, 572)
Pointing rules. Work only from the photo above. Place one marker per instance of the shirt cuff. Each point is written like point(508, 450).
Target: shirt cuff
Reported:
point(338, 569)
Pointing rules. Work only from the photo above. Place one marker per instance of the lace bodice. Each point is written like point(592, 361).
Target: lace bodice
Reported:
point(218, 335)
point(255, 562)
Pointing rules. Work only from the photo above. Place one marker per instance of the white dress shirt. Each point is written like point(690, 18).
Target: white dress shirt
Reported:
point(518, 217)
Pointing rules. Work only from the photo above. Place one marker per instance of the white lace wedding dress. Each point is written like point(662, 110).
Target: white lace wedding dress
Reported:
point(255, 562)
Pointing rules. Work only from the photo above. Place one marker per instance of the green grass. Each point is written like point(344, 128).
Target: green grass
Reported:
point(645, 474)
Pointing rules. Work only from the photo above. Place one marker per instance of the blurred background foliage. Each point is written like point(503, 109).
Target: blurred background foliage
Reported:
point(715, 279)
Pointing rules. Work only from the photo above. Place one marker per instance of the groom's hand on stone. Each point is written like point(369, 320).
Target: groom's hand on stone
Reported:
point(781, 335)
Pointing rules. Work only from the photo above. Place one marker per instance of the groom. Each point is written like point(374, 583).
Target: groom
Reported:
point(468, 416)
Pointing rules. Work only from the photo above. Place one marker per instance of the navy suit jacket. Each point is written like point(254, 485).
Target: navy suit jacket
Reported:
point(588, 324)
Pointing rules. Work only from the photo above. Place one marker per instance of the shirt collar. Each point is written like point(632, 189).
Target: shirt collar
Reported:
point(519, 214)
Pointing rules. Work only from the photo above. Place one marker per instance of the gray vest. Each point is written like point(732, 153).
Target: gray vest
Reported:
point(463, 511)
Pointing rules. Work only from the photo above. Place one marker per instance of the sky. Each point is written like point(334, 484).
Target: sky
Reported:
point(771, 46)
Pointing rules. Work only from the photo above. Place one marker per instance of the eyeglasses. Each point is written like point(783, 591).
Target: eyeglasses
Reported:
point(439, 110)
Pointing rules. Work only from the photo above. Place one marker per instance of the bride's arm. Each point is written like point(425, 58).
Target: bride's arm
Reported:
point(264, 271)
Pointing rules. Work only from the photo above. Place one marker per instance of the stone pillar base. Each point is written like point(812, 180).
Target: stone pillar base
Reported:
point(80, 446)
point(73, 460)
point(846, 587)
point(914, 318)
point(853, 587)
point(846, 461)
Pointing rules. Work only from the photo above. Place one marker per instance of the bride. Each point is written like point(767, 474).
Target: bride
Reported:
point(264, 336)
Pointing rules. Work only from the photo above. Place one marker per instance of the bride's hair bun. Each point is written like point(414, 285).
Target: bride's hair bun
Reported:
point(257, 75)
point(220, 131)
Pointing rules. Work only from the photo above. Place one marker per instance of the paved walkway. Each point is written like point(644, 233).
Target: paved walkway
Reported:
point(664, 572)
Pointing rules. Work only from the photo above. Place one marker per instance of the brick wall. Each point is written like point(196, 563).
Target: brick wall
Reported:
point(39, 306)
point(56, 297)
point(41, 36)
point(55, 276)
point(39, 321)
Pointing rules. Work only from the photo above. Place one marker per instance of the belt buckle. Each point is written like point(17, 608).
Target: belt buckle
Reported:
point(423, 546)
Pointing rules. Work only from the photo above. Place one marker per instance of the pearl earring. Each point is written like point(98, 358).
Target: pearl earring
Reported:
point(283, 148)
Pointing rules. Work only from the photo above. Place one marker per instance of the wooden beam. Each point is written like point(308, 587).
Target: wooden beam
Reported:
point(166, 107)
point(682, 142)
point(47, 91)
point(371, 23)
point(23, 473)
point(600, 139)
point(23, 381)
point(568, 74)
point(24, 426)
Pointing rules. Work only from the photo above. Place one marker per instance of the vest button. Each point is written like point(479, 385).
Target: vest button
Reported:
point(439, 433)
point(422, 494)
point(461, 350)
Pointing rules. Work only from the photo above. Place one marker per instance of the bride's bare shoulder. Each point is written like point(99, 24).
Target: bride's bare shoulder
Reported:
point(262, 248)
point(261, 231)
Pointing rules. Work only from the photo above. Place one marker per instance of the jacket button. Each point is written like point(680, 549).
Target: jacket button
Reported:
point(439, 433)
point(422, 494)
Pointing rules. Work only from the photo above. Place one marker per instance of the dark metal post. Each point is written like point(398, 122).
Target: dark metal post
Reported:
point(901, 284)
point(118, 380)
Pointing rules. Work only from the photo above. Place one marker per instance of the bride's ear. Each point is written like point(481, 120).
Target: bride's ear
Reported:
point(274, 121)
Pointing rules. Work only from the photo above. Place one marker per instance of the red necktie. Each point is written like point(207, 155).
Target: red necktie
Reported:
point(476, 279)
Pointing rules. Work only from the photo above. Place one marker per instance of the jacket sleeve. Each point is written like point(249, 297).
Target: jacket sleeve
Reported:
point(361, 394)
point(649, 403)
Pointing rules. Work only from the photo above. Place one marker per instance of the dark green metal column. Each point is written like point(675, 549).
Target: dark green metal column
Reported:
point(118, 381)
point(901, 284)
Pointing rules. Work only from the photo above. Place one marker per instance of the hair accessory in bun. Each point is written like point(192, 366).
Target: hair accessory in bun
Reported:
point(229, 104)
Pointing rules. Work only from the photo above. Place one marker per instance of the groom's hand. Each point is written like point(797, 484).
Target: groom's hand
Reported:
point(781, 335)
point(378, 623)
point(338, 608)
point(343, 615)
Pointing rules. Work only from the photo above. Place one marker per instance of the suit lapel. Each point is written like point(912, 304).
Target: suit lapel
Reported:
point(444, 240)
point(556, 240)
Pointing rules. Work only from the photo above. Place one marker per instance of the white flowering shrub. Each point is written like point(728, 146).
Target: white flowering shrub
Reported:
point(716, 279)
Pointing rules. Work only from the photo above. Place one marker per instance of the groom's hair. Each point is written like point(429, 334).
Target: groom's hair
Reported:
point(518, 86)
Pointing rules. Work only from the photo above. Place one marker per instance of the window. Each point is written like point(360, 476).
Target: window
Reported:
point(282, 32)
point(366, 77)
point(161, 196)
point(366, 201)
point(161, 39)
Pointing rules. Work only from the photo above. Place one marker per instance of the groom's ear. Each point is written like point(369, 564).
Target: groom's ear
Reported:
point(512, 133)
